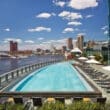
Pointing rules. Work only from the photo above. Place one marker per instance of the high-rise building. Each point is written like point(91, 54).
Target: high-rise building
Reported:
point(70, 43)
point(13, 47)
point(80, 41)
point(75, 43)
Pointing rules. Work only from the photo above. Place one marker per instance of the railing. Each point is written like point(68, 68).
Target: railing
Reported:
point(8, 77)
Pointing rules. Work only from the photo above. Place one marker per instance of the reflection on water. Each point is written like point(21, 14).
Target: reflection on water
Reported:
point(10, 64)
point(14, 63)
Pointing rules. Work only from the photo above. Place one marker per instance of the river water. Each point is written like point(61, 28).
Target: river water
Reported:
point(9, 64)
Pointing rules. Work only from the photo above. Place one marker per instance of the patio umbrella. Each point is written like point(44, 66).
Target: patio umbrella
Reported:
point(106, 68)
point(91, 56)
point(83, 58)
point(75, 50)
point(92, 61)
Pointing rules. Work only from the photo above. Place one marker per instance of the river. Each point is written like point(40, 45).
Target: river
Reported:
point(9, 64)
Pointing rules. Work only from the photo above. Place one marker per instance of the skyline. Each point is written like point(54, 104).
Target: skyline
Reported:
point(39, 23)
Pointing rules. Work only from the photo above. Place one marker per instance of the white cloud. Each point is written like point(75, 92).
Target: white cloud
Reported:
point(104, 27)
point(89, 16)
point(75, 23)
point(45, 15)
point(40, 38)
point(82, 4)
point(81, 34)
point(29, 41)
point(105, 32)
point(59, 3)
point(57, 43)
point(70, 15)
point(7, 29)
point(28, 45)
point(12, 39)
point(38, 29)
point(68, 30)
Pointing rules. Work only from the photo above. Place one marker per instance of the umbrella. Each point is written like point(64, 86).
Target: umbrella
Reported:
point(106, 68)
point(91, 56)
point(83, 58)
point(92, 61)
point(75, 50)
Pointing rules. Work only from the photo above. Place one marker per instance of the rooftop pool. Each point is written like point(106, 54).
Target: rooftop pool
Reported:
point(54, 78)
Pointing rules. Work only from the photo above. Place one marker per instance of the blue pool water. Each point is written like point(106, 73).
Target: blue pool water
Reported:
point(56, 77)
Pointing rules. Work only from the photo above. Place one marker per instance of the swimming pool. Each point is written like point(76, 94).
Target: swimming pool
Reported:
point(57, 77)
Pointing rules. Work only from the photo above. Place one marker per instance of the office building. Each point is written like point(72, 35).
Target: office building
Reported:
point(80, 41)
point(70, 43)
point(13, 47)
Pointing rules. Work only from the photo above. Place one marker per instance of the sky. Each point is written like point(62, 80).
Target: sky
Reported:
point(42, 23)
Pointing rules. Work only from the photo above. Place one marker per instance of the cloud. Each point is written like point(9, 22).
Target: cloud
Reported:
point(81, 34)
point(28, 45)
point(70, 15)
point(7, 29)
point(39, 29)
point(56, 43)
point(82, 4)
point(105, 32)
point(59, 3)
point(75, 23)
point(68, 30)
point(89, 16)
point(40, 38)
point(29, 41)
point(12, 39)
point(45, 15)
point(104, 27)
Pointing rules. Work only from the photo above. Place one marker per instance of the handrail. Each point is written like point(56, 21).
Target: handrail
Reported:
point(16, 73)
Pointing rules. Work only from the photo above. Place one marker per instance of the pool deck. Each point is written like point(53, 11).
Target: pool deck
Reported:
point(66, 95)
point(92, 94)
point(99, 68)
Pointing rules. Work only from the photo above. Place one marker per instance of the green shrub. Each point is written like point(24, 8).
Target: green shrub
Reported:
point(11, 107)
point(98, 57)
point(53, 106)
point(75, 106)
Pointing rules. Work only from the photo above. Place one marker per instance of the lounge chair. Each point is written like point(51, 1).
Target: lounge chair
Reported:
point(108, 90)
point(101, 100)
point(101, 78)
point(105, 86)
point(37, 101)
point(103, 82)
point(60, 99)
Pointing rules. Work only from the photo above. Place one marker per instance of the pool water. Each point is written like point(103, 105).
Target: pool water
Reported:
point(57, 77)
